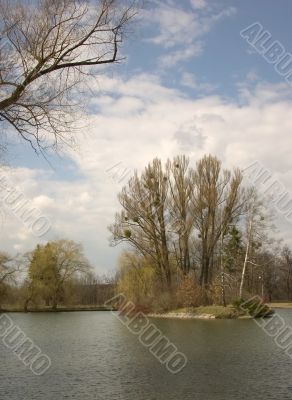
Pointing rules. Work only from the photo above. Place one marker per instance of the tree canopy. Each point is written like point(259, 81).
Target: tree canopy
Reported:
point(52, 265)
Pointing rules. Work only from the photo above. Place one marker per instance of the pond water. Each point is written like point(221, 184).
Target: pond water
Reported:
point(94, 356)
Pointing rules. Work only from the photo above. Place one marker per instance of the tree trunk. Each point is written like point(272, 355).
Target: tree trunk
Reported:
point(55, 301)
point(54, 305)
point(164, 250)
point(243, 272)
point(25, 306)
point(223, 297)
point(245, 260)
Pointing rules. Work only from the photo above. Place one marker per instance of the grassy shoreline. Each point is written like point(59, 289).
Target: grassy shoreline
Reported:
point(59, 309)
point(259, 310)
point(203, 312)
point(285, 305)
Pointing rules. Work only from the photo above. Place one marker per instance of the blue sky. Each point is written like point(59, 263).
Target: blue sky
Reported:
point(225, 60)
point(189, 84)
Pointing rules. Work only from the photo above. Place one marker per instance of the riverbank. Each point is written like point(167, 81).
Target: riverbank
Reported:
point(203, 312)
point(285, 305)
point(8, 309)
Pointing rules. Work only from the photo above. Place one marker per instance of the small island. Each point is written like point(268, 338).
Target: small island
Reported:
point(203, 312)
point(200, 242)
point(213, 312)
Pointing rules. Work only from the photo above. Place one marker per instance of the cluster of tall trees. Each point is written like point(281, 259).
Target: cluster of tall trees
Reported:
point(200, 224)
point(53, 274)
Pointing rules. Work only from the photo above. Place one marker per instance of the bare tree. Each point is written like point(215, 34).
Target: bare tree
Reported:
point(257, 223)
point(47, 47)
point(250, 229)
point(287, 269)
point(165, 207)
point(218, 202)
point(143, 221)
point(180, 205)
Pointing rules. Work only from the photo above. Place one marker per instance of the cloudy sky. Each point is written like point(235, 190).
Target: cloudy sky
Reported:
point(190, 84)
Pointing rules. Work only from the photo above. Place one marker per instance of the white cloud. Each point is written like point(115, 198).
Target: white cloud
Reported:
point(138, 120)
point(182, 27)
point(190, 81)
point(198, 4)
point(176, 26)
point(173, 58)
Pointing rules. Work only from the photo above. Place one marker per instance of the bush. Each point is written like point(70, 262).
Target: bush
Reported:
point(136, 279)
point(254, 307)
point(163, 302)
point(188, 293)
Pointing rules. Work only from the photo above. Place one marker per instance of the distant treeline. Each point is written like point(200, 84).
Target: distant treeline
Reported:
point(55, 274)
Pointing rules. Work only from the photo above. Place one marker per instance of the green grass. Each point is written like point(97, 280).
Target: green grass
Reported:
point(280, 304)
point(219, 312)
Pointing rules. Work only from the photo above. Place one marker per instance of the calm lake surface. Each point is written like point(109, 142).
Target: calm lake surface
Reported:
point(95, 357)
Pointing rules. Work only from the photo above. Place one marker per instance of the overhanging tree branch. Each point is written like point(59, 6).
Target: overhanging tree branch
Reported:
point(49, 49)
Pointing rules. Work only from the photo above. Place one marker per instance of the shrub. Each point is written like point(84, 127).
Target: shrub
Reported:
point(164, 301)
point(188, 293)
point(254, 307)
point(136, 279)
